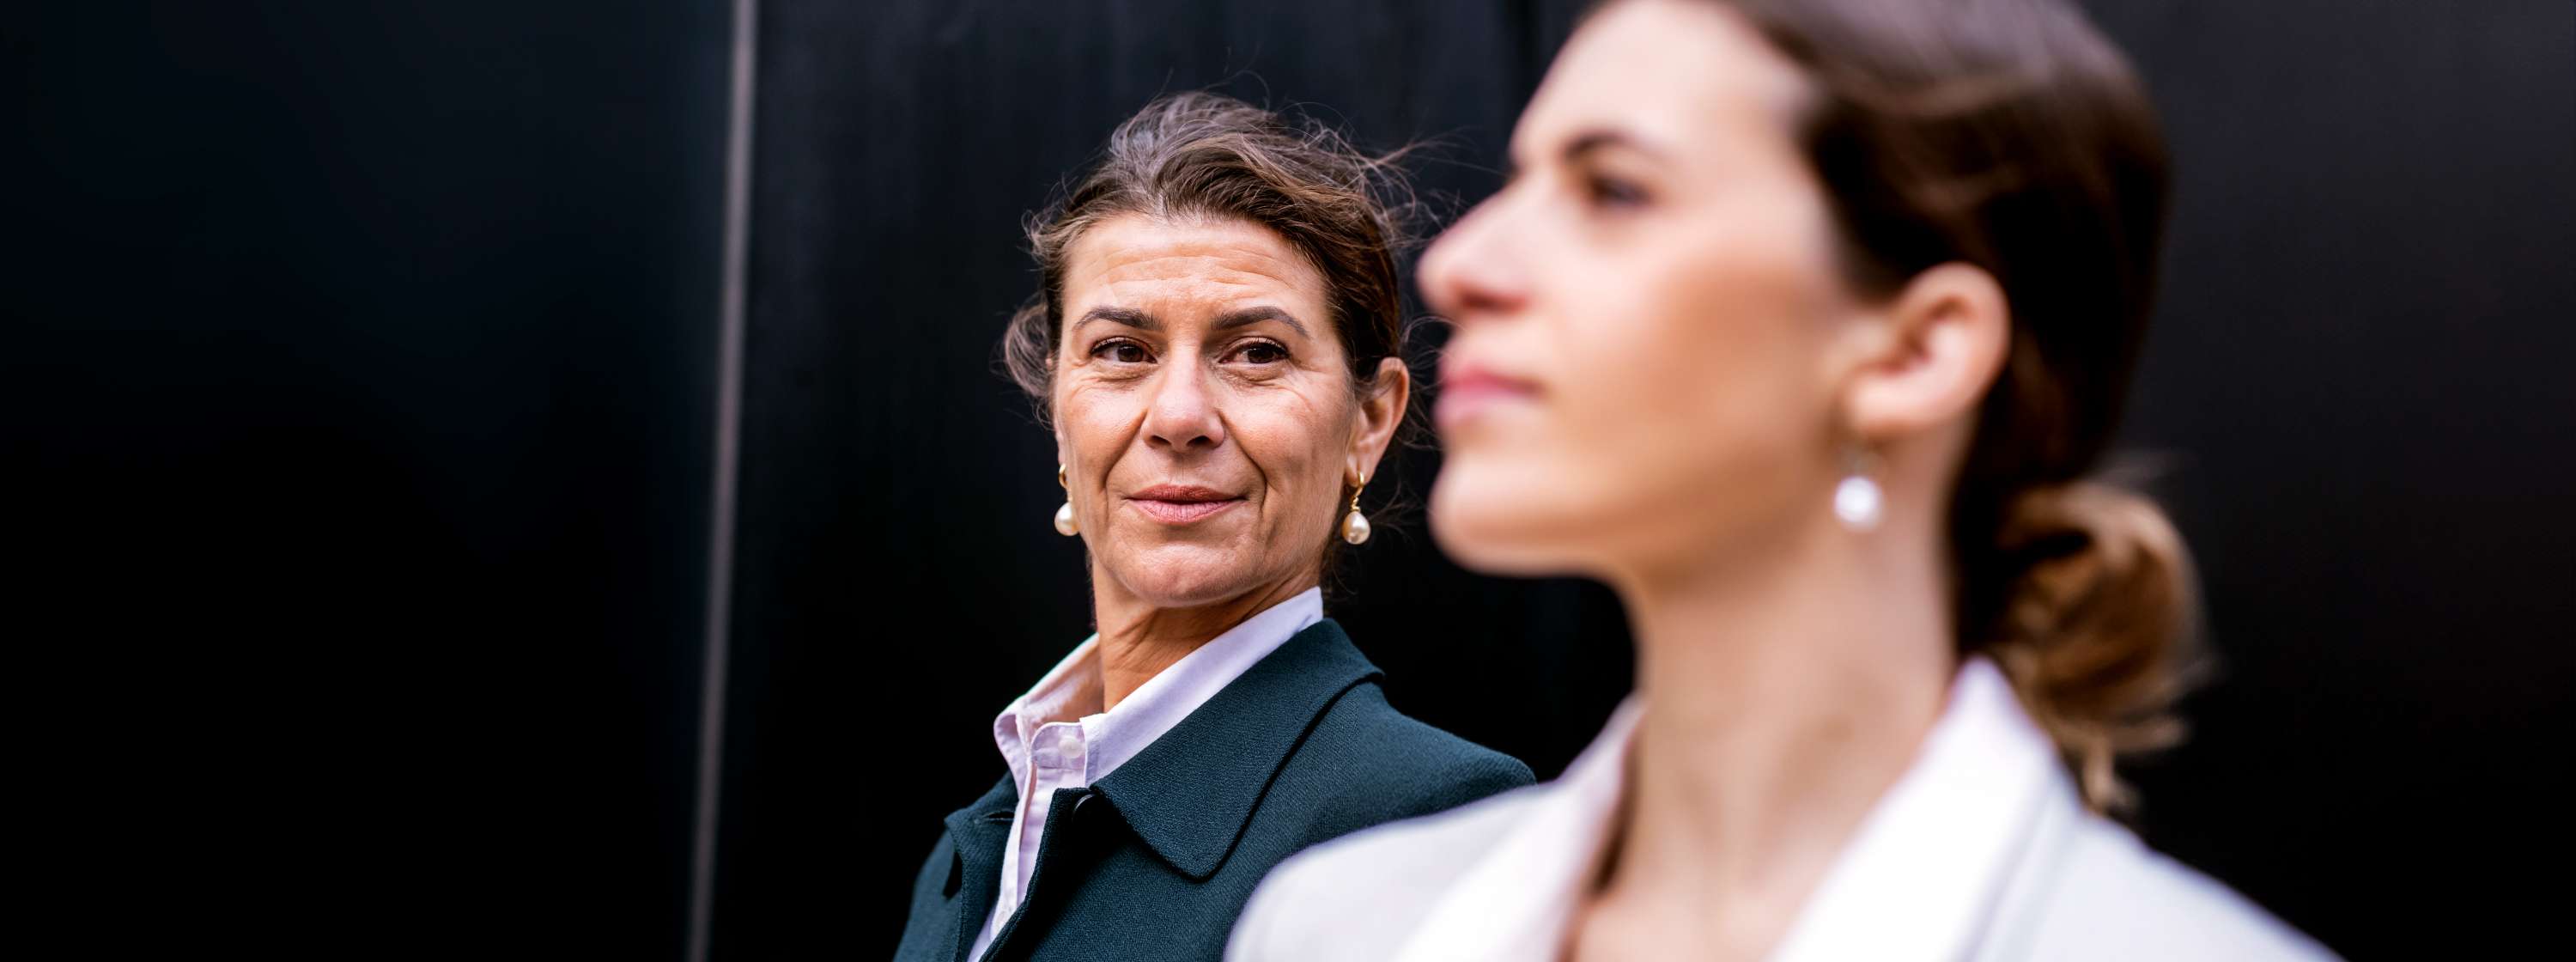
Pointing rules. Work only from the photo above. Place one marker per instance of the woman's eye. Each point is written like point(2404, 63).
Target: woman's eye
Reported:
point(1123, 352)
point(1261, 353)
point(1613, 192)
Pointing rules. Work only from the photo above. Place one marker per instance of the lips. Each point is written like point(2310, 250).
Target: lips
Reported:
point(1181, 503)
point(1468, 390)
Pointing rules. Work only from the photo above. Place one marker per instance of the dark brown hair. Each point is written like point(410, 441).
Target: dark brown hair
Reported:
point(2009, 134)
point(1205, 155)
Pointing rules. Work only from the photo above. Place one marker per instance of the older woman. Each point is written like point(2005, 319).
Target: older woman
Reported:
point(1216, 344)
point(1801, 325)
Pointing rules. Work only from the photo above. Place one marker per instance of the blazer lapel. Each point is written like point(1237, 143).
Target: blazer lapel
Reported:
point(978, 832)
point(1190, 794)
point(2011, 926)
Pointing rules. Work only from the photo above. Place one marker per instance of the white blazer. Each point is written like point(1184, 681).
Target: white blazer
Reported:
point(1981, 851)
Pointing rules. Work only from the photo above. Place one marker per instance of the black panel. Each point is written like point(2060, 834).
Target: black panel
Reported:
point(2357, 396)
point(363, 355)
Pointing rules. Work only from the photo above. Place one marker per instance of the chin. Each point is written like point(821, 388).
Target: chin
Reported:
point(1182, 575)
point(1492, 526)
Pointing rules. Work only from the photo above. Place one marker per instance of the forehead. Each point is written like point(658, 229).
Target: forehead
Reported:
point(1131, 259)
point(1688, 74)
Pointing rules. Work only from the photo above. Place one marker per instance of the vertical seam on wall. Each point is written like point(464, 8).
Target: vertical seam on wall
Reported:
point(730, 324)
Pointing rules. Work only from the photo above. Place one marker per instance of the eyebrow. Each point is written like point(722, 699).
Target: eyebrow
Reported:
point(1255, 315)
point(1120, 315)
point(1230, 320)
point(1598, 139)
point(1587, 143)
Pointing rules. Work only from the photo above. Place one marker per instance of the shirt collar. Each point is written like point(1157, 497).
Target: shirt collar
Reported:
point(1071, 691)
point(1915, 882)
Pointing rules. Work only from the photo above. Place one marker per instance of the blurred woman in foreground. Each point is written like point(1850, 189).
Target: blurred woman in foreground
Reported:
point(1799, 323)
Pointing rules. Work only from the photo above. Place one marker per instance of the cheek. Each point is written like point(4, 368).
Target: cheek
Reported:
point(1096, 424)
point(1727, 324)
point(1291, 439)
point(1680, 393)
point(1709, 352)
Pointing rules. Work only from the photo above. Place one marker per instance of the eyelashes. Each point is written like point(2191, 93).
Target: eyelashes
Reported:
point(1257, 352)
point(1613, 193)
point(1269, 352)
point(1120, 350)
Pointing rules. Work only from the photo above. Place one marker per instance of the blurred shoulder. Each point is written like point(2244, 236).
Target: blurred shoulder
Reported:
point(2114, 898)
point(1360, 896)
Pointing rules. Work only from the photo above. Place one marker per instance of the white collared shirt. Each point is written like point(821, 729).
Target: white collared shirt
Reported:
point(1914, 883)
point(1057, 735)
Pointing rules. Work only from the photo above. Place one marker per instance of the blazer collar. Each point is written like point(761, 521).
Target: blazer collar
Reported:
point(1190, 794)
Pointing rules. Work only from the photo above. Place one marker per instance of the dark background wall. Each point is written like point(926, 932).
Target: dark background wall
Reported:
point(362, 375)
point(360, 366)
point(2354, 394)
point(2350, 385)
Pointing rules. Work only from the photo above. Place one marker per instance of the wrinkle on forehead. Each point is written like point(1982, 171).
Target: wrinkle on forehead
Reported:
point(1132, 260)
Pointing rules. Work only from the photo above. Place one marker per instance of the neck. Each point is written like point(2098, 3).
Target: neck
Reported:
point(1783, 697)
point(1138, 639)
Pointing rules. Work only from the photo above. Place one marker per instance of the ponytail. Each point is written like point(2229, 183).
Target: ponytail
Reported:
point(2094, 622)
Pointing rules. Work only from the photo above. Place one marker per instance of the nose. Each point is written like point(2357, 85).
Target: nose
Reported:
point(1472, 272)
point(1182, 416)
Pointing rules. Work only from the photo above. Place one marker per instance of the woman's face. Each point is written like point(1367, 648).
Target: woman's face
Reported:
point(1645, 314)
point(1204, 409)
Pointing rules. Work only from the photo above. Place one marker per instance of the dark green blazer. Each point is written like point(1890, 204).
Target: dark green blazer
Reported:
point(1155, 860)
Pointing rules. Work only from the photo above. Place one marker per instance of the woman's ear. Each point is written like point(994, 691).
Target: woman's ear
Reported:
point(1380, 412)
point(1055, 414)
point(1935, 349)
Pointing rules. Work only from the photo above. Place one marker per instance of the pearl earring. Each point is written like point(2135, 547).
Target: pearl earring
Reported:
point(1857, 499)
point(1064, 523)
point(1355, 526)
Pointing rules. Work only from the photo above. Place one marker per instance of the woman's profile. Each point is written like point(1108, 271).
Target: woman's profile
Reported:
point(1802, 323)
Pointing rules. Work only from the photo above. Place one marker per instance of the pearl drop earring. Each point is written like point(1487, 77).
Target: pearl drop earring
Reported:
point(1858, 502)
point(1064, 523)
point(1355, 526)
